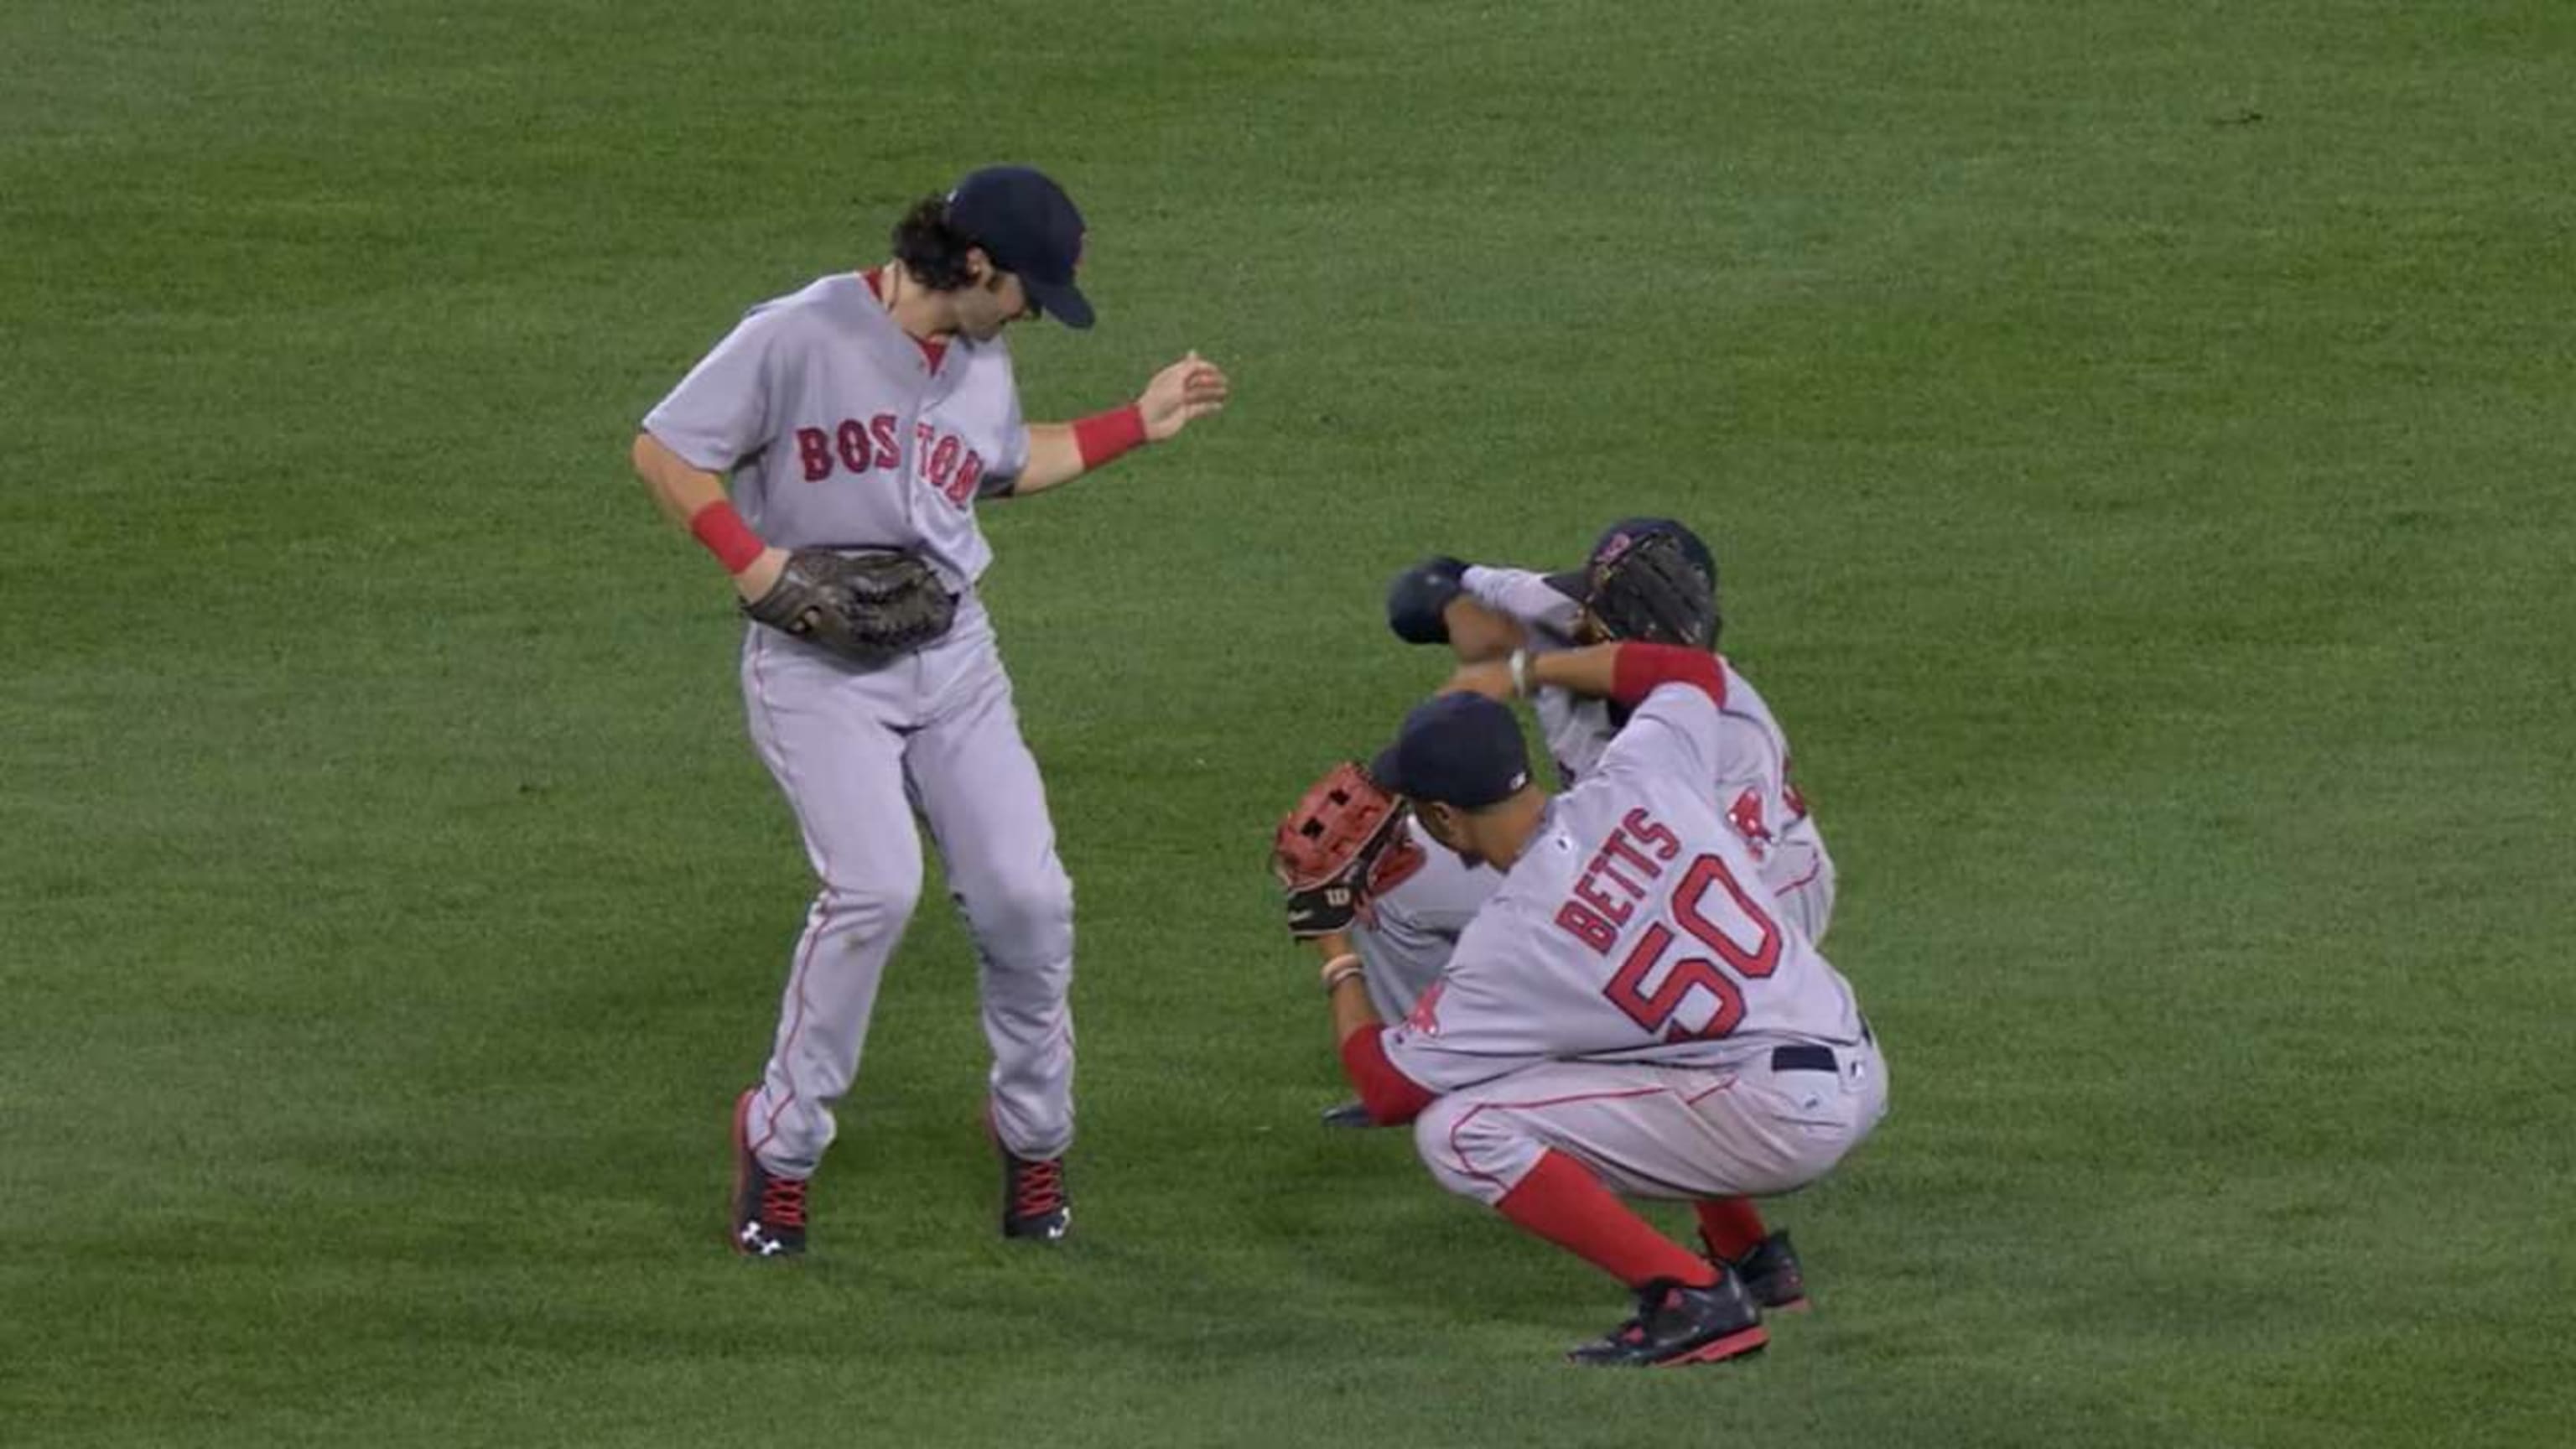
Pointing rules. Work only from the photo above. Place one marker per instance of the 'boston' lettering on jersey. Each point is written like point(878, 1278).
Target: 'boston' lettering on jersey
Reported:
point(950, 467)
point(942, 459)
point(857, 448)
point(1592, 915)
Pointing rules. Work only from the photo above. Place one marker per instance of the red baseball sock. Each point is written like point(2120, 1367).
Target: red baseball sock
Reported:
point(1569, 1207)
point(1731, 1225)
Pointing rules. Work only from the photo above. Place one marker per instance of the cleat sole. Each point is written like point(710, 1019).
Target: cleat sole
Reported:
point(1733, 1345)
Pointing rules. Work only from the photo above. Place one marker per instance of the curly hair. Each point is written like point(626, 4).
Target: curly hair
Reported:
point(930, 248)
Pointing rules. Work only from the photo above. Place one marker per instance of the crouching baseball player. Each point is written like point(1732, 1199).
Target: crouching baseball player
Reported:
point(1627, 1014)
point(1647, 579)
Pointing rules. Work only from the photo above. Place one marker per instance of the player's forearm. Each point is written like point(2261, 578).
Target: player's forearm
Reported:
point(679, 488)
point(1053, 460)
point(1478, 633)
point(695, 499)
point(1626, 673)
point(1592, 671)
point(1359, 1036)
point(1062, 452)
point(1345, 992)
point(1523, 596)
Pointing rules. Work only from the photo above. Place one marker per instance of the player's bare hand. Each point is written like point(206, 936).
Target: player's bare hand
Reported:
point(1478, 633)
point(1181, 394)
point(762, 576)
point(1492, 679)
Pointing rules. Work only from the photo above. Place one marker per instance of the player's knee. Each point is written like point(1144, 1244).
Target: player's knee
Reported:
point(1436, 1139)
point(1473, 1149)
point(872, 905)
point(1431, 1129)
point(1035, 909)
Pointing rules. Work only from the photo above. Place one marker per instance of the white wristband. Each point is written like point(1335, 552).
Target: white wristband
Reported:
point(1340, 969)
point(1520, 673)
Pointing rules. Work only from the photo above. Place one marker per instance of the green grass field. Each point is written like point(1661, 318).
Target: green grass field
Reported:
point(2137, 437)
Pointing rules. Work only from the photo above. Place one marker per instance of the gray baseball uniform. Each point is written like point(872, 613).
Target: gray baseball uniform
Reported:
point(841, 431)
point(1631, 997)
point(1417, 923)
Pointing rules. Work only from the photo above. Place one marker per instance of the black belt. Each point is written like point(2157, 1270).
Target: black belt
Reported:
point(1811, 1058)
point(1804, 1059)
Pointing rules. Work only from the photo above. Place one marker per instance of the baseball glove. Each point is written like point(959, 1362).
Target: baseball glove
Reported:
point(870, 608)
point(1338, 844)
point(1651, 591)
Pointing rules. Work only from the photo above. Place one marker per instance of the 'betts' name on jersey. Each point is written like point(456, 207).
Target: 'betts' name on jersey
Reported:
point(1635, 927)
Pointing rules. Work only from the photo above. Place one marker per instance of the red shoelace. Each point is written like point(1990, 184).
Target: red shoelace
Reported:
point(782, 1202)
point(1037, 1188)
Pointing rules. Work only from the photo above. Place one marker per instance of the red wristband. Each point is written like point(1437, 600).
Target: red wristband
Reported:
point(1103, 436)
point(1639, 668)
point(727, 536)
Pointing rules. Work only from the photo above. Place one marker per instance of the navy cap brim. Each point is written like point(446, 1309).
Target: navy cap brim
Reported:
point(1061, 300)
point(1575, 584)
point(1383, 771)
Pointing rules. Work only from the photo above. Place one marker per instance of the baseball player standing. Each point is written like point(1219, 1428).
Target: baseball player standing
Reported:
point(830, 452)
point(1649, 579)
point(1628, 1014)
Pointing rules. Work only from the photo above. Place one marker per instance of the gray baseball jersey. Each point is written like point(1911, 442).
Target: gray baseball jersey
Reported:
point(1635, 928)
point(1753, 779)
point(1415, 923)
point(838, 432)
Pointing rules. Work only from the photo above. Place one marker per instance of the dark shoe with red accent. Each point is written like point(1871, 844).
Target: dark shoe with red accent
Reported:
point(768, 1210)
point(1677, 1324)
point(1770, 1274)
point(1035, 1205)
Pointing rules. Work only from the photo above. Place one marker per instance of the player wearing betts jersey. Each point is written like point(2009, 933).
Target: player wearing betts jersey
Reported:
point(1628, 1014)
point(831, 452)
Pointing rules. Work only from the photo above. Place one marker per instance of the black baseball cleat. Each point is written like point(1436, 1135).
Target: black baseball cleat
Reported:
point(1770, 1273)
point(1035, 1205)
point(1349, 1114)
point(768, 1218)
point(1678, 1324)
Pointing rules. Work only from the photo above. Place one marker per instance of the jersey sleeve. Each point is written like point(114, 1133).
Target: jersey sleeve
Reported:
point(1677, 727)
point(723, 411)
point(1467, 1028)
point(1525, 596)
point(1003, 473)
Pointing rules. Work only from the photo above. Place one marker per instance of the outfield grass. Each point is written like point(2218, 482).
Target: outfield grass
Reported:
point(2138, 442)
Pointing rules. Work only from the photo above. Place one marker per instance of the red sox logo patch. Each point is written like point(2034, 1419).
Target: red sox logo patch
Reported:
point(1746, 816)
point(1424, 1018)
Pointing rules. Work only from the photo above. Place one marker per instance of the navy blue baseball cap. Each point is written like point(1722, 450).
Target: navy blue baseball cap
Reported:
point(1028, 226)
point(1417, 598)
point(1618, 538)
point(1459, 749)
